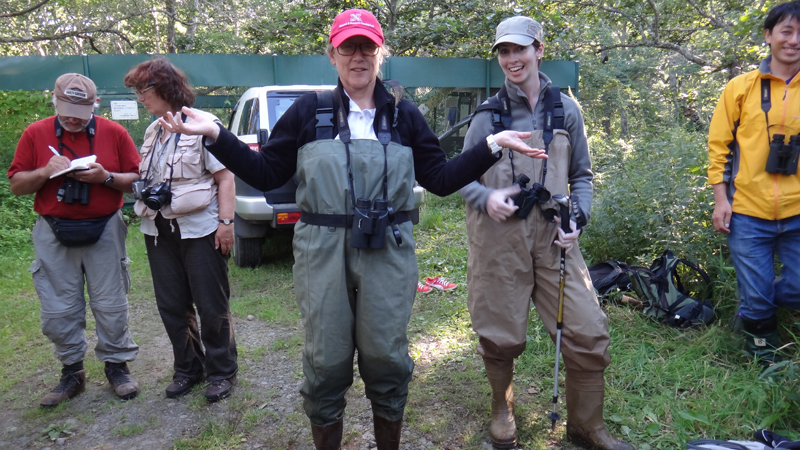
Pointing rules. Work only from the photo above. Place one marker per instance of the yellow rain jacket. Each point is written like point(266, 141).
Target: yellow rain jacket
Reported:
point(738, 144)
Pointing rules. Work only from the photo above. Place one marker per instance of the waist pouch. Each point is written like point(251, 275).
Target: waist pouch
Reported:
point(77, 232)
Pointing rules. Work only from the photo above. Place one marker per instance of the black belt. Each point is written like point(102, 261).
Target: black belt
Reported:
point(343, 220)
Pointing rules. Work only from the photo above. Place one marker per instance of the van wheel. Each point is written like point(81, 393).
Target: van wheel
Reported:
point(247, 251)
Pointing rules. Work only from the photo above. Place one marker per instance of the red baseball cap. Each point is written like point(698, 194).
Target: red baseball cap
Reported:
point(355, 22)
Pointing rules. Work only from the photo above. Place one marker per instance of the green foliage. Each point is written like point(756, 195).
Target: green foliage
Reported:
point(16, 218)
point(54, 431)
point(651, 195)
point(18, 109)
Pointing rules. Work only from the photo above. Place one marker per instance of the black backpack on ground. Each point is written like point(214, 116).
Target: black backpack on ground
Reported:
point(659, 288)
point(609, 276)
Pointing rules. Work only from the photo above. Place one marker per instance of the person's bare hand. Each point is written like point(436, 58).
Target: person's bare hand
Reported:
point(95, 174)
point(513, 140)
point(499, 204)
point(224, 238)
point(56, 164)
point(202, 123)
point(721, 218)
point(567, 240)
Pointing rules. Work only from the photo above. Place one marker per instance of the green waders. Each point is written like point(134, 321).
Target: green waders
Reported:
point(353, 299)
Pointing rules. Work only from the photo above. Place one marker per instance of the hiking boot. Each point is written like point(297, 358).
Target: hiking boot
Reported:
point(585, 398)
point(761, 340)
point(440, 283)
point(120, 379)
point(328, 437)
point(219, 389)
point(71, 384)
point(503, 428)
point(180, 386)
point(387, 433)
point(423, 288)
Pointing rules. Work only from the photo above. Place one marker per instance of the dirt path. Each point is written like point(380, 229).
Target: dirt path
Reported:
point(445, 411)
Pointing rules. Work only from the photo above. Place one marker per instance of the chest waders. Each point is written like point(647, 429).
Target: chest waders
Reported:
point(353, 298)
point(522, 263)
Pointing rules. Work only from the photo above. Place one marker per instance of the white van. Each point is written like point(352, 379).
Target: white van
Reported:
point(258, 212)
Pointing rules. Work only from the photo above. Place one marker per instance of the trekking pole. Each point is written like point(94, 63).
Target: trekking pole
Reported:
point(563, 204)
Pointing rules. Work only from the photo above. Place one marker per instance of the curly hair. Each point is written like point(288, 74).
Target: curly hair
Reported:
point(170, 83)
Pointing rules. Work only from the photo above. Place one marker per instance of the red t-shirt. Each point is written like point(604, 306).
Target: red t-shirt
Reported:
point(115, 151)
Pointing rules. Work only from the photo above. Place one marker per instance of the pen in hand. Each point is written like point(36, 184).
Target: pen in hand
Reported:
point(55, 152)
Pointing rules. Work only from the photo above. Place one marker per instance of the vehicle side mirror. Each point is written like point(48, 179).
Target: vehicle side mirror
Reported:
point(263, 136)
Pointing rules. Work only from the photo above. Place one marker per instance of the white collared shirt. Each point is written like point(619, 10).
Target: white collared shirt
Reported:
point(360, 122)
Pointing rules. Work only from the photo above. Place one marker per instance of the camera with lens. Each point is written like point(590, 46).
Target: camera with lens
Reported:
point(369, 223)
point(157, 196)
point(528, 197)
point(74, 191)
point(782, 158)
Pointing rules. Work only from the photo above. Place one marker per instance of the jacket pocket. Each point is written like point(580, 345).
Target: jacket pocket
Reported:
point(187, 160)
point(190, 199)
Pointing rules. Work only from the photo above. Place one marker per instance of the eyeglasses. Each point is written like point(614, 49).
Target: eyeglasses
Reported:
point(367, 49)
point(136, 90)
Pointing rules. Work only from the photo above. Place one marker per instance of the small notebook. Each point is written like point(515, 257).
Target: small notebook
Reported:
point(76, 165)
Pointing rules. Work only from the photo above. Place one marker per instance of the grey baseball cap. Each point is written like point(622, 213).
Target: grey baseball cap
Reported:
point(518, 30)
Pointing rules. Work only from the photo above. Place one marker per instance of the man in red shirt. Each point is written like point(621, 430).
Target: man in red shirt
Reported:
point(79, 236)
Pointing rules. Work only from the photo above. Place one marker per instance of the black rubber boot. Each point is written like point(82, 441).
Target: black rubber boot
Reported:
point(328, 437)
point(761, 340)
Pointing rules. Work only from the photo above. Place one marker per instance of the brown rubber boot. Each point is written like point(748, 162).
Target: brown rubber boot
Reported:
point(71, 384)
point(328, 437)
point(387, 433)
point(585, 426)
point(503, 429)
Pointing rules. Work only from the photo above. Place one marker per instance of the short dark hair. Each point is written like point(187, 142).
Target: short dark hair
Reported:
point(788, 10)
point(170, 82)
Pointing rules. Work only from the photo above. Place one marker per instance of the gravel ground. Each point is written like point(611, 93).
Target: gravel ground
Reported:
point(265, 410)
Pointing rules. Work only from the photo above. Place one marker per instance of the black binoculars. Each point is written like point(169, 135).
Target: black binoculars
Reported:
point(154, 197)
point(528, 197)
point(370, 221)
point(74, 190)
point(782, 158)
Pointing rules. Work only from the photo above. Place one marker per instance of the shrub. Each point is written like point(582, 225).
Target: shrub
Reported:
point(650, 195)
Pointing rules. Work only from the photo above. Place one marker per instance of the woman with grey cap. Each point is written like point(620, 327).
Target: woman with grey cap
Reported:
point(514, 259)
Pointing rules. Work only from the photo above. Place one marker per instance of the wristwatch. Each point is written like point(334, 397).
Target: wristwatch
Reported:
point(493, 145)
point(225, 221)
point(110, 180)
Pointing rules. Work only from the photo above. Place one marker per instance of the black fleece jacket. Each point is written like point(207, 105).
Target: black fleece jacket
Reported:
point(277, 161)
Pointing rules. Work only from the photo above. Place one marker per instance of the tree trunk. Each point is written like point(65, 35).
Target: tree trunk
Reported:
point(170, 7)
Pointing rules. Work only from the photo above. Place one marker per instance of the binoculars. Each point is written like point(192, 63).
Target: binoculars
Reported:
point(154, 197)
point(782, 158)
point(528, 197)
point(369, 224)
point(74, 190)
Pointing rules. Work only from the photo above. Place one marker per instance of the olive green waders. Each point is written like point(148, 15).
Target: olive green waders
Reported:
point(354, 299)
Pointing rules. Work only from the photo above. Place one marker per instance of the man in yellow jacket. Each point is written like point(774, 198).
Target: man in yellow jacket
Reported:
point(753, 167)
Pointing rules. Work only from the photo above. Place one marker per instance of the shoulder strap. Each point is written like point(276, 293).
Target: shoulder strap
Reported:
point(500, 108)
point(558, 108)
point(324, 115)
point(766, 99)
point(553, 113)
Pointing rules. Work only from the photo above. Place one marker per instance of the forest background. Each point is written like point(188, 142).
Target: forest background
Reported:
point(651, 73)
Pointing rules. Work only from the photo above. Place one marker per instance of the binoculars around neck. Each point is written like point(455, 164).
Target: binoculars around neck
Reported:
point(782, 158)
point(528, 197)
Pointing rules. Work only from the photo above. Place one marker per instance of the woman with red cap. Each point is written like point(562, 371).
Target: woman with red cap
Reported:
point(356, 151)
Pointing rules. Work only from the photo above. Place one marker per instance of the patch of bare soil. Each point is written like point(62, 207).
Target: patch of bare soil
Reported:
point(264, 412)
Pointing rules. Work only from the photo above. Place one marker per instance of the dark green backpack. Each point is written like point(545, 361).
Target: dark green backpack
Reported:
point(663, 294)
